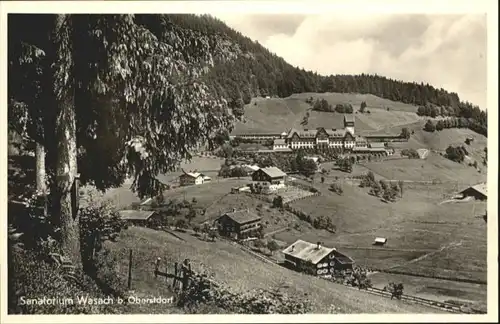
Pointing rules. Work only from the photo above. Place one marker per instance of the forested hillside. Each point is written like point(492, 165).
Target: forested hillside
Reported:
point(243, 69)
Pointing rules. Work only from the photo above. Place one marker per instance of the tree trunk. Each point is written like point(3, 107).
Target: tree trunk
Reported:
point(65, 214)
point(40, 168)
point(66, 170)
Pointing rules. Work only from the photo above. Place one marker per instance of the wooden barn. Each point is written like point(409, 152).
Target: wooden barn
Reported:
point(139, 217)
point(272, 175)
point(316, 259)
point(479, 192)
point(239, 224)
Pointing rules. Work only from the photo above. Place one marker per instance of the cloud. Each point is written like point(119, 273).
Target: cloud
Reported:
point(447, 51)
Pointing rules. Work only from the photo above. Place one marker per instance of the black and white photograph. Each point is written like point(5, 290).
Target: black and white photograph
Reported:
point(265, 159)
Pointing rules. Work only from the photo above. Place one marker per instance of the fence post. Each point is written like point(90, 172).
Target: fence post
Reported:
point(186, 272)
point(175, 276)
point(130, 269)
point(166, 271)
point(157, 266)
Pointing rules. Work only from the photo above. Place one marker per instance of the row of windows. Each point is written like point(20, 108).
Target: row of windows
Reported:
point(252, 225)
point(330, 143)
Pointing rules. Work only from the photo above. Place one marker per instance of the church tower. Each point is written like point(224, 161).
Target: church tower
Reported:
point(349, 123)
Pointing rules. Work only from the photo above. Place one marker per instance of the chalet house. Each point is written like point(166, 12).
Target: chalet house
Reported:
point(250, 168)
point(193, 178)
point(139, 217)
point(479, 192)
point(316, 259)
point(239, 224)
point(273, 175)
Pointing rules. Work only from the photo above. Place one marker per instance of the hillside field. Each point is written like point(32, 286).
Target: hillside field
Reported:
point(279, 114)
point(123, 197)
point(415, 225)
point(434, 168)
point(241, 271)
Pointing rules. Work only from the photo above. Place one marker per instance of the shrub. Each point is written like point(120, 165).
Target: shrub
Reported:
point(99, 221)
point(181, 223)
point(272, 245)
point(429, 126)
point(278, 202)
point(337, 188)
point(456, 154)
point(259, 243)
point(410, 153)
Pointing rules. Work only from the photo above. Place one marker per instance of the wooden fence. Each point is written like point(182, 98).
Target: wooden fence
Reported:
point(178, 273)
point(316, 194)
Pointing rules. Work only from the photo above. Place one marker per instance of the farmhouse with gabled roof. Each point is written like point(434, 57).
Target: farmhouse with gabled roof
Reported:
point(238, 224)
point(315, 258)
point(478, 191)
point(138, 217)
point(193, 178)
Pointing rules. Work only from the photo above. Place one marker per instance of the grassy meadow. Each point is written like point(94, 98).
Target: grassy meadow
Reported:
point(278, 114)
point(230, 265)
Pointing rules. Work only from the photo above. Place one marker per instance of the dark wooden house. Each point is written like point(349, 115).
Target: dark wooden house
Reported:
point(139, 217)
point(272, 175)
point(239, 224)
point(316, 259)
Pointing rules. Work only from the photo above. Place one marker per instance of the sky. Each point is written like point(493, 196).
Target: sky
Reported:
point(446, 51)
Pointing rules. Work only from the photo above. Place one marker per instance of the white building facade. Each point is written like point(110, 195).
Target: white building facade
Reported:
point(190, 178)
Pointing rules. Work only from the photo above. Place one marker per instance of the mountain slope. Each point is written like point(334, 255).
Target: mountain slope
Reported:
point(276, 114)
point(240, 69)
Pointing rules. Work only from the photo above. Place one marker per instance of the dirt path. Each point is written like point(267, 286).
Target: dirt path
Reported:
point(441, 249)
point(276, 231)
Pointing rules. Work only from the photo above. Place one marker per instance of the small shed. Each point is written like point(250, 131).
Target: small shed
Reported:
point(380, 241)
